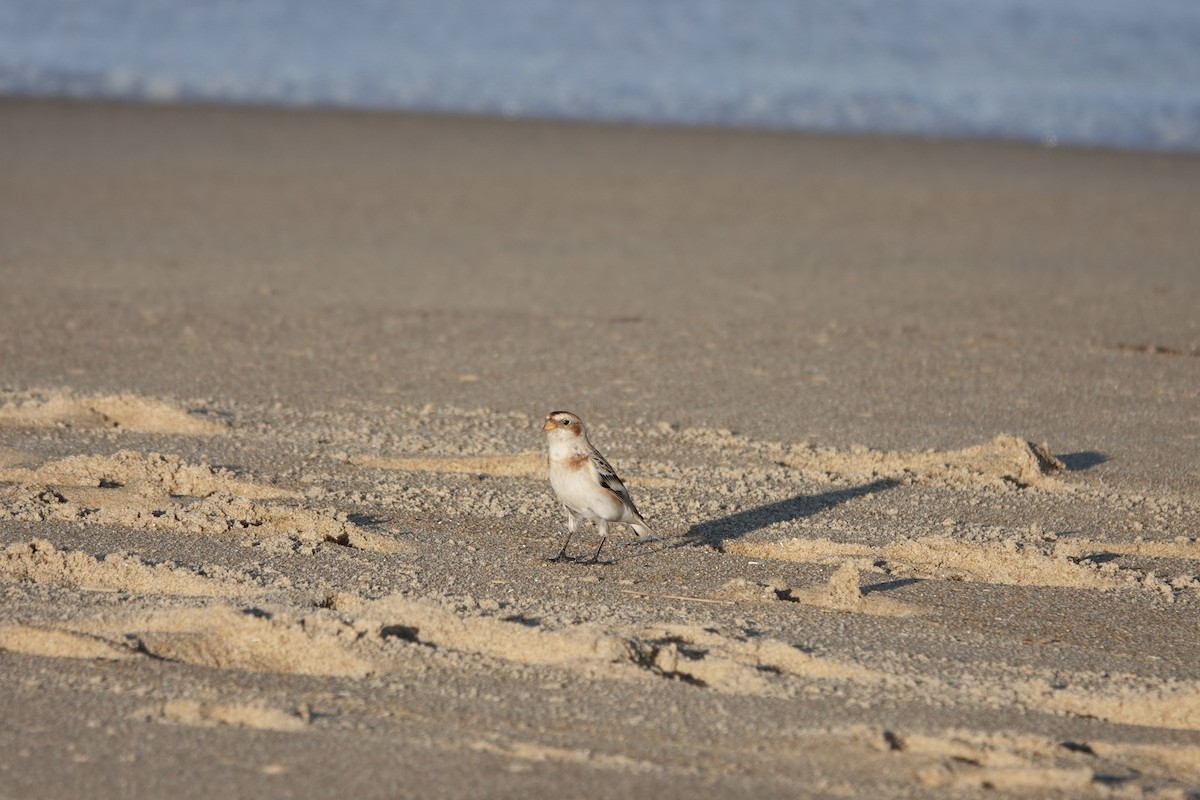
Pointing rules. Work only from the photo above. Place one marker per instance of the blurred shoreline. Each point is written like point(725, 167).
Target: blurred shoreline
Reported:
point(1061, 72)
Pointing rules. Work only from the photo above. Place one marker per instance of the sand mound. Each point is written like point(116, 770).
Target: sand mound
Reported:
point(219, 637)
point(691, 654)
point(432, 624)
point(144, 473)
point(53, 642)
point(39, 562)
point(120, 412)
point(355, 638)
point(1031, 764)
point(200, 714)
point(1165, 705)
point(844, 592)
point(970, 760)
point(1005, 461)
point(157, 492)
point(222, 637)
point(1013, 562)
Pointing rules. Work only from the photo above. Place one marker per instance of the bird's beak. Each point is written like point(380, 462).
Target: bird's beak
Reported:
point(549, 426)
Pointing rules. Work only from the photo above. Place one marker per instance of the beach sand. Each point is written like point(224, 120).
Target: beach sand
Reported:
point(917, 422)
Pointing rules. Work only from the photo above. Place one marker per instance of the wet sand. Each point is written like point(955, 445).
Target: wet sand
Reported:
point(918, 424)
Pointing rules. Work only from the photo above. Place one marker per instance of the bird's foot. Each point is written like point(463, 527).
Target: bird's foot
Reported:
point(595, 559)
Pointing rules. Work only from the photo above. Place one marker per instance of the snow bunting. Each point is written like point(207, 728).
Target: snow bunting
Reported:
point(584, 482)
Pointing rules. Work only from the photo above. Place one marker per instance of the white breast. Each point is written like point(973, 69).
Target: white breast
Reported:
point(579, 491)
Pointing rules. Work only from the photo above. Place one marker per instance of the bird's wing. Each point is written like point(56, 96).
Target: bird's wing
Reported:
point(609, 479)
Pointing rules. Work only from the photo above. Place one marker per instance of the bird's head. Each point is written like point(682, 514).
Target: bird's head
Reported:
point(563, 425)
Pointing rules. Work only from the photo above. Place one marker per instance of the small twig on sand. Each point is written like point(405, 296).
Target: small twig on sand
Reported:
point(655, 596)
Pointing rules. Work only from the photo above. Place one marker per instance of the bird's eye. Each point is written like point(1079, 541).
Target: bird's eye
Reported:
point(566, 423)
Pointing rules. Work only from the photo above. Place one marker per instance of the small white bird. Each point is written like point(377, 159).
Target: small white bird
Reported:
point(584, 482)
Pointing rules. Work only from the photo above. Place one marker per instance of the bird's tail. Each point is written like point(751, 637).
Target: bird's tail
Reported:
point(641, 528)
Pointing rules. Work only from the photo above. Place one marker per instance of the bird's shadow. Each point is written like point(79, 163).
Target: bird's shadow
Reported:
point(1078, 462)
point(715, 532)
point(887, 586)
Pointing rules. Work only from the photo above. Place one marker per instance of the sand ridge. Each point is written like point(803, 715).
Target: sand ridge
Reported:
point(160, 492)
point(121, 412)
point(1025, 764)
point(356, 637)
point(1006, 460)
point(56, 642)
point(1125, 700)
point(1016, 561)
point(144, 473)
point(38, 561)
point(211, 714)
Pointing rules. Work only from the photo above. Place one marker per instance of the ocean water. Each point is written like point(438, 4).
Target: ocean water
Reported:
point(1115, 73)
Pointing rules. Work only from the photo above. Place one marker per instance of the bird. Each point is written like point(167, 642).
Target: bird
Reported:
point(585, 483)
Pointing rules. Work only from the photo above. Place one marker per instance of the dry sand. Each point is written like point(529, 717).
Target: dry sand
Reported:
point(919, 423)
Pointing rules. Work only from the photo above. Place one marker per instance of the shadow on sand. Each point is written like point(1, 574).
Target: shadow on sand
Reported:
point(715, 532)
point(1077, 462)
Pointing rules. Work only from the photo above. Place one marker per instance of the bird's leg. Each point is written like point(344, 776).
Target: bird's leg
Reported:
point(572, 526)
point(602, 527)
point(562, 554)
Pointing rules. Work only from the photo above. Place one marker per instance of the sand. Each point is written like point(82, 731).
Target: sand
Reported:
point(918, 424)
